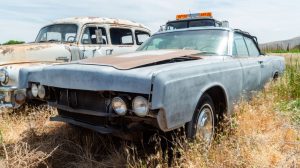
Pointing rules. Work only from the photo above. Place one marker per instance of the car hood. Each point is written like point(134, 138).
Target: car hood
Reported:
point(32, 52)
point(135, 77)
point(140, 58)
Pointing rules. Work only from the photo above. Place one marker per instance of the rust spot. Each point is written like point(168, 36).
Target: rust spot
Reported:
point(34, 48)
point(91, 17)
point(68, 49)
point(6, 50)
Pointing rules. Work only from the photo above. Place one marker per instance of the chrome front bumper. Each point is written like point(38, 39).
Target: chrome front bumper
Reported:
point(7, 96)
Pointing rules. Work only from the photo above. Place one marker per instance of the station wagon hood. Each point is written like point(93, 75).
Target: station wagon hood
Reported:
point(32, 52)
point(141, 58)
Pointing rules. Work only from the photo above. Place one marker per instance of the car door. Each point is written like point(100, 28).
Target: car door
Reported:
point(122, 40)
point(141, 36)
point(250, 65)
point(265, 63)
point(90, 46)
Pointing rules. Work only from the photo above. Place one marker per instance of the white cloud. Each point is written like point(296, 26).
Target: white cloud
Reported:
point(268, 19)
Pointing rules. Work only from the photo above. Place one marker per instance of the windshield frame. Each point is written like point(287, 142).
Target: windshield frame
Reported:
point(77, 32)
point(188, 22)
point(229, 36)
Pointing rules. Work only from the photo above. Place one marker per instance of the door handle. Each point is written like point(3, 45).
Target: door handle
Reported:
point(65, 59)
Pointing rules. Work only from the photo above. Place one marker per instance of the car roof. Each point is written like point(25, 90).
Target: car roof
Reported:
point(204, 28)
point(195, 28)
point(86, 19)
point(192, 19)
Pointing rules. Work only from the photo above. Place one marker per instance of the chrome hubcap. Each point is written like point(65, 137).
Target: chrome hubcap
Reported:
point(205, 128)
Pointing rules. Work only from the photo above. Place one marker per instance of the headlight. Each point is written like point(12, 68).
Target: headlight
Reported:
point(41, 91)
point(34, 90)
point(140, 106)
point(119, 105)
point(4, 78)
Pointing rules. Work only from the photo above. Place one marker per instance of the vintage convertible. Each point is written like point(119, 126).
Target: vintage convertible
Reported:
point(186, 77)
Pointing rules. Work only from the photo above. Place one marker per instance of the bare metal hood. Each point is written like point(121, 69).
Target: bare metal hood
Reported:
point(32, 52)
point(138, 59)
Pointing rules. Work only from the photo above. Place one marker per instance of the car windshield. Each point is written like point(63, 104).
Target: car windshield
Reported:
point(58, 33)
point(190, 23)
point(206, 41)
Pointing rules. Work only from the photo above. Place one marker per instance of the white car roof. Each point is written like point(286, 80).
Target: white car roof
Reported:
point(84, 20)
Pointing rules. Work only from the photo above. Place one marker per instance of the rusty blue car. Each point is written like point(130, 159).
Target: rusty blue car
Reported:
point(185, 78)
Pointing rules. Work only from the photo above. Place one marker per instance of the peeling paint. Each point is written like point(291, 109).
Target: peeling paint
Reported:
point(85, 20)
point(39, 47)
point(7, 50)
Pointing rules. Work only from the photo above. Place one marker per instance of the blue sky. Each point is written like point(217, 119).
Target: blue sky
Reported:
point(269, 20)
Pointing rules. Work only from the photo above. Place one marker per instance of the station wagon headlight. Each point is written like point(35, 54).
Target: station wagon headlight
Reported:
point(4, 78)
point(41, 91)
point(119, 105)
point(34, 90)
point(140, 106)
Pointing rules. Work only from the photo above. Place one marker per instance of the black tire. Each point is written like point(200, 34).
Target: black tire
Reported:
point(205, 108)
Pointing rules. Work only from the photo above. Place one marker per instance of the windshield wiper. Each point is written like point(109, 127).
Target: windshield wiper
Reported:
point(49, 41)
point(52, 40)
point(201, 52)
point(208, 52)
point(43, 41)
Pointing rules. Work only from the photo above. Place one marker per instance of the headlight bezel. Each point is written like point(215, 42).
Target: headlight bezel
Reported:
point(34, 90)
point(41, 92)
point(4, 78)
point(138, 101)
point(119, 110)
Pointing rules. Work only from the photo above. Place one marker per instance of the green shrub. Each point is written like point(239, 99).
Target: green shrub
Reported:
point(10, 42)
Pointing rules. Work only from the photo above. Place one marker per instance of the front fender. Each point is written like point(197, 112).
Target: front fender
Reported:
point(176, 93)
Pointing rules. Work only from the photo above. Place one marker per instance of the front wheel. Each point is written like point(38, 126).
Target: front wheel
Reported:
point(202, 126)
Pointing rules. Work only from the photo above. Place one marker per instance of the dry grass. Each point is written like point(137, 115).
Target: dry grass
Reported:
point(261, 134)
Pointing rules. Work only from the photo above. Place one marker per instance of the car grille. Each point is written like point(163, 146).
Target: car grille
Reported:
point(88, 100)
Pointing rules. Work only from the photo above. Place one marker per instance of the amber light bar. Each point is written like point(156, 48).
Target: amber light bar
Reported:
point(193, 15)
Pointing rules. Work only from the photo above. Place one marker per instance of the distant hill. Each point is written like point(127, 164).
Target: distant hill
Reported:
point(282, 45)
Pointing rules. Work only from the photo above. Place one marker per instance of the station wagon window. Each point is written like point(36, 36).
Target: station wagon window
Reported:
point(120, 36)
point(89, 36)
point(58, 33)
point(239, 46)
point(252, 48)
point(141, 36)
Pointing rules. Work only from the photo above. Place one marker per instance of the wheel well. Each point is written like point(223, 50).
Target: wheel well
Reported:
point(275, 76)
point(218, 96)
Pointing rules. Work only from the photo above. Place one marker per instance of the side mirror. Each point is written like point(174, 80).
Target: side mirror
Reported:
point(162, 28)
point(98, 33)
point(225, 23)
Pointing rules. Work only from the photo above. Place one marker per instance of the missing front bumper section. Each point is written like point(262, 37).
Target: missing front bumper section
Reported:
point(127, 135)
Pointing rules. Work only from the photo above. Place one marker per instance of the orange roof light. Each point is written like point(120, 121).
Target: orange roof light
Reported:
point(193, 15)
point(205, 14)
point(181, 16)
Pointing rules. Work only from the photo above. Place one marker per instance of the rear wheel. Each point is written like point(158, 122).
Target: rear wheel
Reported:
point(202, 126)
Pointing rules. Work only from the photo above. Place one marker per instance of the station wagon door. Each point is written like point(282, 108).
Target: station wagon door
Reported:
point(122, 40)
point(250, 65)
point(90, 46)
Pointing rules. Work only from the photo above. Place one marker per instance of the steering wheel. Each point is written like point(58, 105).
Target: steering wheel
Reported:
point(72, 39)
